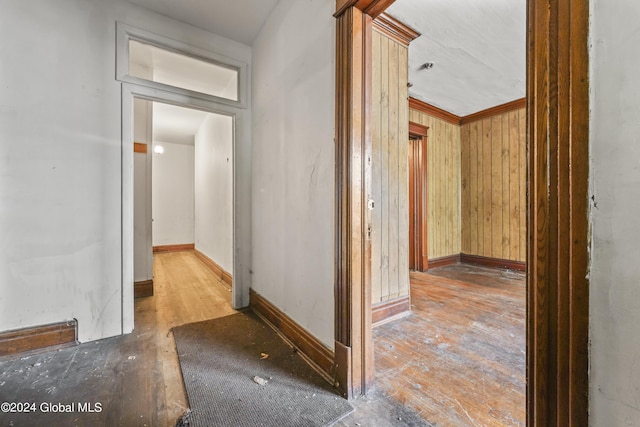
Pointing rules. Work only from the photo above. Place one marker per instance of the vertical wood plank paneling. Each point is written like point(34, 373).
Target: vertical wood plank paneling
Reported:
point(390, 134)
point(473, 188)
point(443, 185)
point(515, 251)
point(487, 188)
point(496, 187)
point(522, 126)
point(464, 188)
point(376, 172)
point(496, 194)
point(480, 189)
point(506, 179)
point(394, 185)
point(403, 166)
point(384, 147)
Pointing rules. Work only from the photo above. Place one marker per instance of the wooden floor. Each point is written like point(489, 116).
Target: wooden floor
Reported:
point(458, 360)
point(136, 378)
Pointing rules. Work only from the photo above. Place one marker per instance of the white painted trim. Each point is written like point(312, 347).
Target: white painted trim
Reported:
point(125, 32)
point(241, 190)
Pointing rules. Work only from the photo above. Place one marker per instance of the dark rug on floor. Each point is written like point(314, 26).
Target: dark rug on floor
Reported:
point(224, 360)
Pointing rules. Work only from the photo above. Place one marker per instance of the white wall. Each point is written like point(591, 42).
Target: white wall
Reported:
point(142, 243)
point(61, 161)
point(615, 181)
point(214, 190)
point(173, 194)
point(293, 166)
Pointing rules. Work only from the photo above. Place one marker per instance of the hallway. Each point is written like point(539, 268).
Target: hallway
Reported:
point(136, 378)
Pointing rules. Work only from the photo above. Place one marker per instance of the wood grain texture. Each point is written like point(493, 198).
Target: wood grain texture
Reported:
point(390, 310)
point(389, 172)
point(353, 187)
point(395, 29)
point(444, 261)
point(459, 358)
point(443, 185)
point(143, 289)
point(215, 268)
point(433, 111)
point(498, 110)
point(173, 248)
point(44, 337)
point(558, 242)
point(493, 189)
point(320, 357)
point(492, 262)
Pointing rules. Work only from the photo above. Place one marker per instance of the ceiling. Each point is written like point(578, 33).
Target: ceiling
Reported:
point(177, 125)
point(477, 47)
point(239, 20)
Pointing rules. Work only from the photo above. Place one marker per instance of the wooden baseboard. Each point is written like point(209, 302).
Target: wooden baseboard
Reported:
point(174, 248)
point(319, 356)
point(493, 262)
point(444, 261)
point(225, 276)
point(387, 311)
point(50, 337)
point(143, 289)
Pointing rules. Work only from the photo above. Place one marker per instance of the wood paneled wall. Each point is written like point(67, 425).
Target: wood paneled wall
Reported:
point(493, 186)
point(443, 185)
point(389, 186)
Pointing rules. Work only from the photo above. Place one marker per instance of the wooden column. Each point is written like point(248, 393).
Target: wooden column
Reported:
point(558, 290)
point(353, 343)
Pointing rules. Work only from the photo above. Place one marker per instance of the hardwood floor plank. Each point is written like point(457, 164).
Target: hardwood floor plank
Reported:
point(459, 359)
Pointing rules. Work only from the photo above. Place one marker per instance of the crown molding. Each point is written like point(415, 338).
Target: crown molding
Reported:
point(395, 29)
point(429, 109)
point(494, 111)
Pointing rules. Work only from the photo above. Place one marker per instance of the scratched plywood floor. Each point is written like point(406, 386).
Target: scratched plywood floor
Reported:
point(459, 359)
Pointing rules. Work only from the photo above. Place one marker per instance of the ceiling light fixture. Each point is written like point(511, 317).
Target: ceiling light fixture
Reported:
point(158, 149)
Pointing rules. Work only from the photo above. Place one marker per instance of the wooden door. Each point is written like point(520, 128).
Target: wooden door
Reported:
point(418, 259)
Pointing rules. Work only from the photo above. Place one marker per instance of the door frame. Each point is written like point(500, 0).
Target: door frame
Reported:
point(240, 199)
point(557, 219)
point(420, 133)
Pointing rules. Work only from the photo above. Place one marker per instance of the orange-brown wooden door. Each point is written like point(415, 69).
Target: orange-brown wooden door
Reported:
point(417, 223)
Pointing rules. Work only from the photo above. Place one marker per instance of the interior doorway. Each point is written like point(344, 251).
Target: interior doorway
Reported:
point(418, 238)
point(183, 188)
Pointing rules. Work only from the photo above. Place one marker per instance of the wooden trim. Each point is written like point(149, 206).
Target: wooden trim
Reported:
point(558, 215)
point(215, 268)
point(395, 29)
point(494, 111)
point(373, 8)
point(321, 357)
point(174, 248)
point(139, 147)
point(421, 131)
point(493, 262)
point(417, 129)
point(353, 145)
point(143, 289)
point(51, 336)
point(429, 109)
point(444, 261)
point(388, 311)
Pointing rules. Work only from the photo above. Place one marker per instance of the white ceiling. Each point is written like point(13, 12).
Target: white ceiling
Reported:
point(239, 20)
point(177, 125)
point(478, 48)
